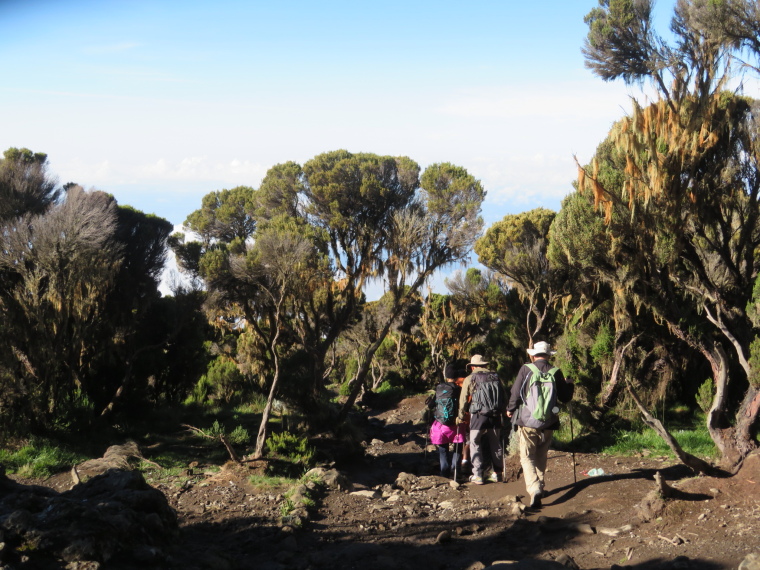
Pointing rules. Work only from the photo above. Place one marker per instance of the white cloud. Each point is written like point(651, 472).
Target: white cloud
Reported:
point(104, 173)
point(195, 168)
point(87, 173)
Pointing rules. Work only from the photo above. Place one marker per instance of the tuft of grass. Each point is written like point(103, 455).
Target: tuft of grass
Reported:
point(301, 495)
point(39, 459)
point(314, 478)
point(265, 482)
point(308, 502)
point(696, 441)
point(287, 507)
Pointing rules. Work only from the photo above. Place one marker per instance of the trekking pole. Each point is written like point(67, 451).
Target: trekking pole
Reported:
point(457, 455)
point(504, 445)
point(572, 438)
point(426, 446)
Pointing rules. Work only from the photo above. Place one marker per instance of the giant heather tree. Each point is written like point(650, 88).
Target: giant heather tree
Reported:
point(25, 185)
point(616, 266)
point(515, 248)
point(690, 183)
point(76, 276)
point(367, 217)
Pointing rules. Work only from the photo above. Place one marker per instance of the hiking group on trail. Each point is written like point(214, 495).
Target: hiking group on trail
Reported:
point(475, 416)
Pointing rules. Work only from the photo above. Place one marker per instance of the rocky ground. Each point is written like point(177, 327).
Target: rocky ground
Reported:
point(390, 511)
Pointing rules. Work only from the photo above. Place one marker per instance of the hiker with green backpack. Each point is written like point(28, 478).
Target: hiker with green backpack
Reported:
point(533, 408)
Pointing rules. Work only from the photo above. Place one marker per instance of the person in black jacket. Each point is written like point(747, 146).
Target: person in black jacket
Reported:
point(484, 425)
point(534, 441)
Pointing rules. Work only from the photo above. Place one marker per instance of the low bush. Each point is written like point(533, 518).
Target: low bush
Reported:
point(387, 395)
point(238, 436)
point(291, 447)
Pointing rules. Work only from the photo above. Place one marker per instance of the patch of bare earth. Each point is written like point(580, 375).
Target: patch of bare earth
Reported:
point(401, 515)
point(425, 521)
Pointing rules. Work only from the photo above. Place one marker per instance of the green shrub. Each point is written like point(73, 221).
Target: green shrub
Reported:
point(216, 430)
point(255, 404)
point(345, 388)
point(602, 349)
point(223, 382)
point(705, 395)
point(291, 447)
point(237, 436)
point(387, 394)
point(565, 434)
point(201, 392)
point(754, 356)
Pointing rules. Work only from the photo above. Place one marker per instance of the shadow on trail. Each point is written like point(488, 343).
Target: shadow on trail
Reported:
point(672, 473)
point(403, 450)
point(241, 544)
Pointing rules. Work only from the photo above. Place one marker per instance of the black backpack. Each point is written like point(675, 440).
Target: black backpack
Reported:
point(446, 403)
point(487, 395)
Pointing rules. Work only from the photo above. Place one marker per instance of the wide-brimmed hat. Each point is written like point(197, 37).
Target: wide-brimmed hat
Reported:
point(541, 347)
point(477, 360)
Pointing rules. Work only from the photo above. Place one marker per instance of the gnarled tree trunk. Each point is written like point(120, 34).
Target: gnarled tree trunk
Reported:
point(687, 459)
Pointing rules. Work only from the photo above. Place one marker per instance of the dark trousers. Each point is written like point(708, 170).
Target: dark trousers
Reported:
point(447, 459)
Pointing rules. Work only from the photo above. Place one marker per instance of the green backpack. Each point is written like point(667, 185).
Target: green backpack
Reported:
point(539, 396)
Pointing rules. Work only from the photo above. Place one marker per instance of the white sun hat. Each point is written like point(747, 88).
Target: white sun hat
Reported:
point(541, 347)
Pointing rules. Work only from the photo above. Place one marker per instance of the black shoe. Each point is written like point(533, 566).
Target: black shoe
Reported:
point(535, 501)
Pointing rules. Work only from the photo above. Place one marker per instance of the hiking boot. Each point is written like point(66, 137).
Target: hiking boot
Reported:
point(494, 477)
point(535, 501)
point(476, 479)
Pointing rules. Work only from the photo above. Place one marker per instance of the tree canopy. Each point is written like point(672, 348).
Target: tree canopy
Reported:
point(687, 180)
point(77, 275)
point(358, 218)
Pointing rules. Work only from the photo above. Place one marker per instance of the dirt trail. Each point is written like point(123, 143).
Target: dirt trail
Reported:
point(401, 515)
point(433, 525)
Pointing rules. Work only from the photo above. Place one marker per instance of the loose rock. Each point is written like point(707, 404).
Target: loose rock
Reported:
point(750, 562)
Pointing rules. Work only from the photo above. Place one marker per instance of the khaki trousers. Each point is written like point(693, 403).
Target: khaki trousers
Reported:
point(534, 447)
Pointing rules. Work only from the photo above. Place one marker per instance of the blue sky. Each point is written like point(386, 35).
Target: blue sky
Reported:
point(160, 102)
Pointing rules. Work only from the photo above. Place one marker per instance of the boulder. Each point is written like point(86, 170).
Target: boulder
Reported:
point(115, 457)
point(332, 478)
point(115, 516)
